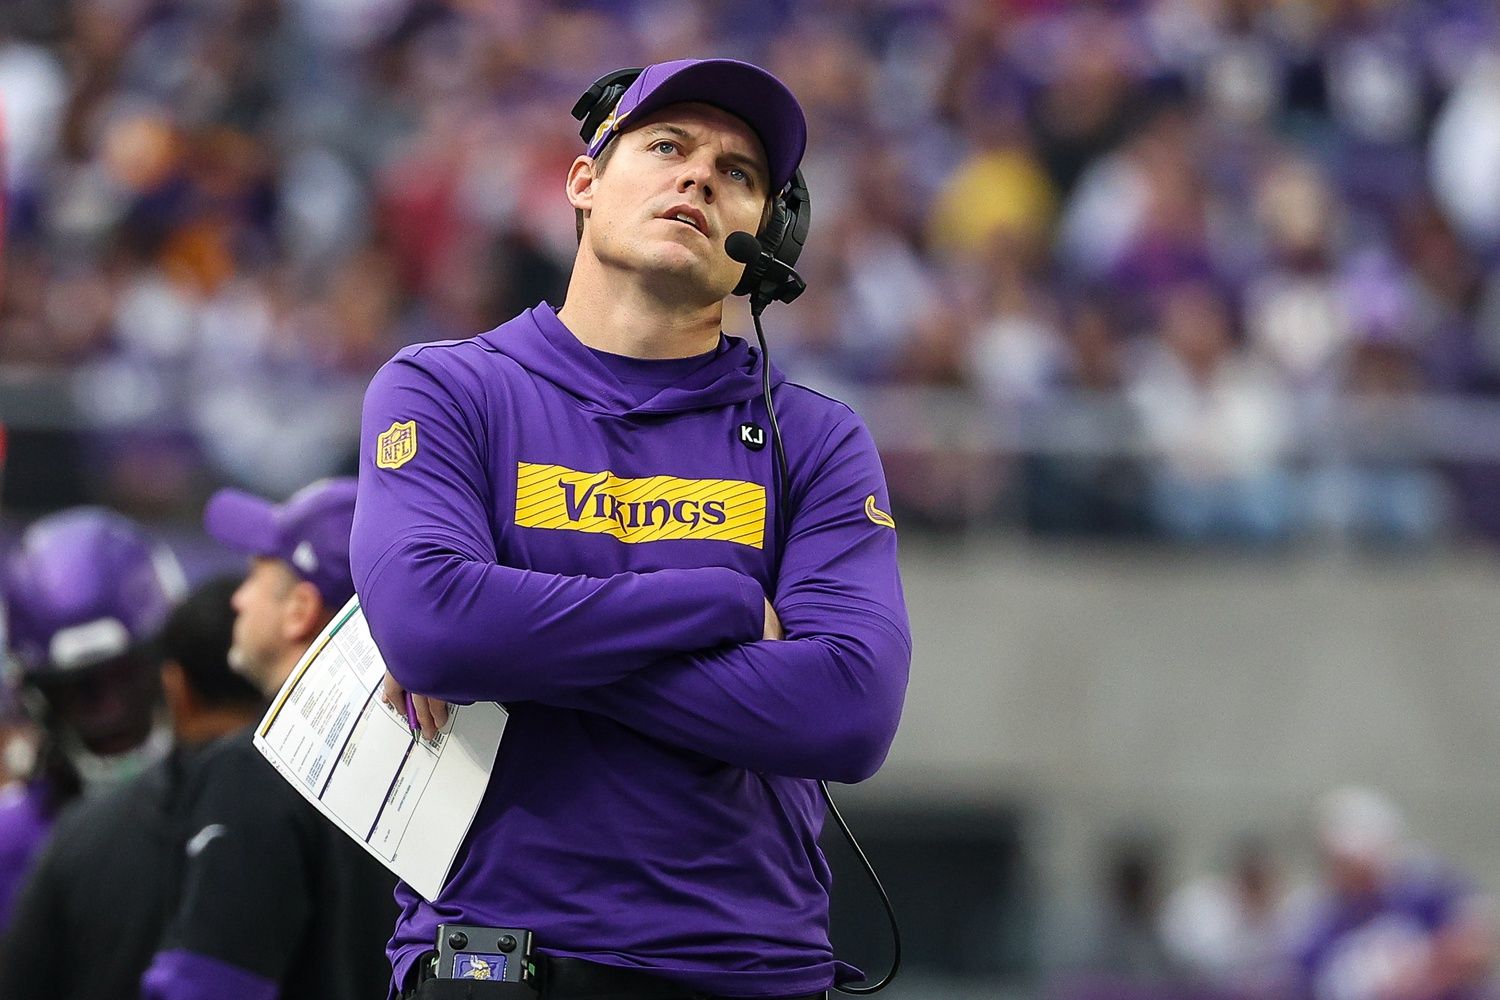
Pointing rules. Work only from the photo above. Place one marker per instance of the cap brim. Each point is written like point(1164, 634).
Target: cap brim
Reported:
point(744, 90)
point(242, 521)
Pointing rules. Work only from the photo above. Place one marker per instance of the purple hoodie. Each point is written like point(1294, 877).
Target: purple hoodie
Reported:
point(539, 524)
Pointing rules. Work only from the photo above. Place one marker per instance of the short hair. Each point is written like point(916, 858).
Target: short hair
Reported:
point(197, 636)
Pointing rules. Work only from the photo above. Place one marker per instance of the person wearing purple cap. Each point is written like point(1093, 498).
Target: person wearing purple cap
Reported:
point(84, 592)
point(275, 903)
point(577, 514)
point(1389, 920)
point(299, 572)
point(111, 866)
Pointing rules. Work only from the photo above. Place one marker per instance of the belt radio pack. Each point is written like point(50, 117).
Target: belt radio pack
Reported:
point(486, 954)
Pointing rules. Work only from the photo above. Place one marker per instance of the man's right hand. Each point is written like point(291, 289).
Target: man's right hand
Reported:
point(773, 623)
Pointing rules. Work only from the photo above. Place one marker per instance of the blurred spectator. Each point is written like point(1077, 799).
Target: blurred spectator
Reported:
point(1116, 941)
point(224, 216)
point(1372, 483)
point(18, 733)
point(1170, 243)
point(1086, 66)
point(1065, 391)
point(1294, 315)
point(1391, 923)
point(1227, 929)
point(308, 917)
point(113, 859)
point(999, 191)
point(18, 742)
point(85, 592)
point(1465, 152)
point(1219, 423)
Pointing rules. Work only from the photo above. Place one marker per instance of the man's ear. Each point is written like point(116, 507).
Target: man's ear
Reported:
point(580, 187)
point(304, 614)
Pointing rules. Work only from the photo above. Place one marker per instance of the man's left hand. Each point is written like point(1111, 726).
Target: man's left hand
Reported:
point(432, 713)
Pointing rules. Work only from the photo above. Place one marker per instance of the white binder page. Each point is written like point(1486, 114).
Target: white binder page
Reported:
point(407, 800)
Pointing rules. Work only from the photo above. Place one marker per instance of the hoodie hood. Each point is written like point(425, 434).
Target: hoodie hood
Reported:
point(539, 342)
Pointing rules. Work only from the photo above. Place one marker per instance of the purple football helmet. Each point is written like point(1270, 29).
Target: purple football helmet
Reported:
point(83, 587)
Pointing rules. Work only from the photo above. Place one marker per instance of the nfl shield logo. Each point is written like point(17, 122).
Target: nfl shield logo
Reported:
point(396, 446)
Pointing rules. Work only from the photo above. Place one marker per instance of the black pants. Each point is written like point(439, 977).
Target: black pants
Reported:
point(562, 979)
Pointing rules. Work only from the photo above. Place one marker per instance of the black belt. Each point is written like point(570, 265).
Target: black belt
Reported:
point(564, 979)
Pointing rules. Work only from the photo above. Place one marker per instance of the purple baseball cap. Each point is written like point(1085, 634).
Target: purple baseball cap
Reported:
point(740, 88)
point(310, 532)
point(83, 587)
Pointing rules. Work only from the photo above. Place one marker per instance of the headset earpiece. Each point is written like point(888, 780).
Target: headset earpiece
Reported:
point(783, 238)
point(599, 100)
point(798, 209)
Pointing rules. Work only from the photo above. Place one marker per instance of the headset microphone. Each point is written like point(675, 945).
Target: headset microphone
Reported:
point(778, 280)
point(743, 247)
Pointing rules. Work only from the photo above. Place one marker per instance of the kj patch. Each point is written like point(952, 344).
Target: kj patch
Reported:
point(752, 436)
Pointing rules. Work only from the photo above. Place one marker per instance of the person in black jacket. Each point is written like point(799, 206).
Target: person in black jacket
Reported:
point(93, 908)
point(276, 903)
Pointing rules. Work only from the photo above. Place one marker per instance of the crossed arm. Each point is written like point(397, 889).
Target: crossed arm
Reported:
point(696, 657)
point(432, 713)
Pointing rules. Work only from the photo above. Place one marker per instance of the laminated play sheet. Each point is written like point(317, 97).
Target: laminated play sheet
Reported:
point(408, 800)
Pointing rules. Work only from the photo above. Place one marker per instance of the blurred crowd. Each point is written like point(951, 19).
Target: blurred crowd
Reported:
point(1384, 918)
point(1192, 269)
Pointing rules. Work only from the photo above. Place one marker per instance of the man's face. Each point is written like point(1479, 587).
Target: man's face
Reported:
point(110, 707)
point(687, 160)
point(260, 643)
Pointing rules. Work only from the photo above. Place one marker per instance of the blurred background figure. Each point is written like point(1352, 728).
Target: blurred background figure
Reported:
point(1219, 423)
point(1112, 945)
point(1391, 922)
point(273, 900)
point(18, 734)
point(84, 592)
point(223, 217)
point(1229, 929)
point(114, 863)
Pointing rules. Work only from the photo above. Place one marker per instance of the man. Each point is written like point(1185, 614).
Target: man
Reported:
point(276, 903)
point(85, 590)
point(568, 515)
point(1390, 924)
point(106, 882)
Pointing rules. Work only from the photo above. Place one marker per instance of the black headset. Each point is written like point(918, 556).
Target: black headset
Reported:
point(785, 232)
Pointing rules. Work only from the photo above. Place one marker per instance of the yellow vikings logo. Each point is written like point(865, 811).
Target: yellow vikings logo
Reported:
point(877, 515)
point(397, 446)
point(650, 509)
point(480, 969)
point(603, 128)
point(613, 121)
